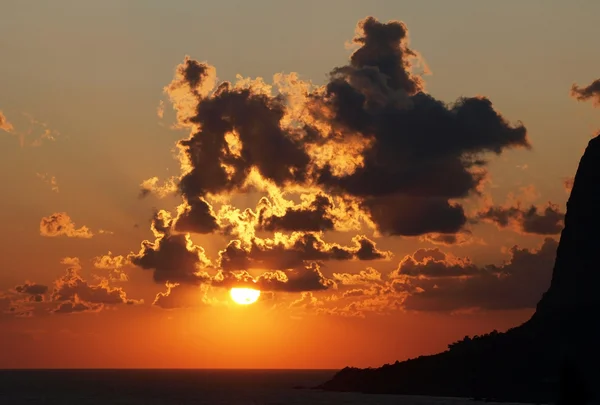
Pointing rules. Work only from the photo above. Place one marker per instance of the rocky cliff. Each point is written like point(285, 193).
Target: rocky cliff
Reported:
point(527, 363)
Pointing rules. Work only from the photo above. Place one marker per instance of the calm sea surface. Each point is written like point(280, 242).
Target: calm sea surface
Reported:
point(183, 387)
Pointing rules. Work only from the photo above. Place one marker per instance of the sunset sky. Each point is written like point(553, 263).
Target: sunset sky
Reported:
point(392, 176)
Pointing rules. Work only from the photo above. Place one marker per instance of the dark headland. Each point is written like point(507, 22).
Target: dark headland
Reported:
point(553, 357)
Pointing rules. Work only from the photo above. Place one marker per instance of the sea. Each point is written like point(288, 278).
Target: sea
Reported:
point(187, 387)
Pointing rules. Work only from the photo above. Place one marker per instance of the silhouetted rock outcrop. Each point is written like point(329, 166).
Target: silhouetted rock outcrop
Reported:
point(553, 356)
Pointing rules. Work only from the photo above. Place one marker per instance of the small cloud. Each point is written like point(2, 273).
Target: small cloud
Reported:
point(35, 132)
point(152, 186)
point(5, 125)
point(113, 264)
point(589, 92)
point(60, 224)
point(50, 180)
point(160, 110)
point(532, 220)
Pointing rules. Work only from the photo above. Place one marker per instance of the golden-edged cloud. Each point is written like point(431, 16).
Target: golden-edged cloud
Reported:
point(373, 114)
point(60, 224)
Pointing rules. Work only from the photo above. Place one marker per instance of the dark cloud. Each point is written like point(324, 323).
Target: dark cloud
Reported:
point(313, 217)
point(35, 292)
point(412, 216)
point(550, 221)
point(447, 239)
point(60, 224)
point(371, 134)
point(385, 48)
point(307, 278)
point(591, 91)
point(70, 307)
point(240, 130)
point(291, 252)
point(196, 216)
point(434, 263)
point(173, 257)
point(303, 278)
point(423, 152)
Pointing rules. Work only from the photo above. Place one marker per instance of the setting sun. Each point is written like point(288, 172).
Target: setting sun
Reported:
point(244, 296)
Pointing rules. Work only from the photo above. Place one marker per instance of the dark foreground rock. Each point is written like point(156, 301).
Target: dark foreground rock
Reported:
point(554, 356)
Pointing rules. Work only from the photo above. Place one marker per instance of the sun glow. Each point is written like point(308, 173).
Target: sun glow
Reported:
point(244, 296)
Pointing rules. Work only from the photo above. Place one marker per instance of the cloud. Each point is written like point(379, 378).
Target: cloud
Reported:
point(114, 265)
point(550, 221)
point(307, 301)
point(306, 278)
point(69, 293)
point(69, 307)
point(5, 125)
point(153, 186)
point(370, 135)
point(591, 91)
point(314, 216)
point(433, 263)
point(60, 224)
point(196, 216)
point(74, 294)
point(518, 283)
point(173, 257)
point(285, 252)
point(367, 276)
point(50, 180)
point(35, 292)
point(72, 285)
point(432, 280)
point(447, 239)
point(182, 296)
point(35, 133)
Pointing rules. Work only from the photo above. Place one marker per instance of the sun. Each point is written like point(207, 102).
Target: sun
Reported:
point(244, 296)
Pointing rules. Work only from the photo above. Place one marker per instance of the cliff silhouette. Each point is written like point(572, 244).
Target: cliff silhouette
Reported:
point(553, 357)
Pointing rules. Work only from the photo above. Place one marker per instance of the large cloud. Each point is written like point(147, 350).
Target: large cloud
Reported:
point(371, 133)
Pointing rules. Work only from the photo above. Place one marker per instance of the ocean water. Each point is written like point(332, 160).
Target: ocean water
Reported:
point(186, 387)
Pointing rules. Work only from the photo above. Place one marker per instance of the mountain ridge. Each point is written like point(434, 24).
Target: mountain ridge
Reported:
point(527, 363)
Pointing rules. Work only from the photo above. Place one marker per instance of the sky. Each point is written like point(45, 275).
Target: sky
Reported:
point(391, 175)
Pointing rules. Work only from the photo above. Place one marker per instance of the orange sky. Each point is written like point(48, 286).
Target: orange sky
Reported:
point(381, 215)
